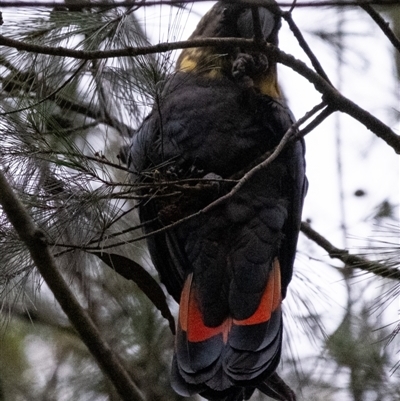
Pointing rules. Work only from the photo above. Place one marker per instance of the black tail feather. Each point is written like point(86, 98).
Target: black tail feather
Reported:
point(276, 388)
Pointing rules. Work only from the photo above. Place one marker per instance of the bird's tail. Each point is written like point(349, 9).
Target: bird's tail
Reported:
point(228, 360)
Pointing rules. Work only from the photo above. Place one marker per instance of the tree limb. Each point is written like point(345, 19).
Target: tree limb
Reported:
point(339, 102)
point(354, 261)
point(83, 324)
point(125, 52)
point(304, 45)
point(291, 134)
point(394, 40)
point(78, 5)
point(334, 98)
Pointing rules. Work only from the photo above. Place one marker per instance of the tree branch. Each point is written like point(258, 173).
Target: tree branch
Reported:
point(44, 261)
point(354, 261)
point(78, 5)
point(339, 102)
point(291, 134)
point(304, 45)
point(258, 35)
point(394, 40)
point(128, 51)
point(331, 95)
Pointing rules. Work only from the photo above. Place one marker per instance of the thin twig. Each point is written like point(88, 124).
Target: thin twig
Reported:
point(83, 324)
point(331, 95)
point(258, 35)
point(125, 52)
point(317, 121)
point(304, 45)
point(50, 96)
point(289, 135)
point(339, 102)
point(268, 158)
point(313, 124)
point(293, 5)
point(348, 259)
point(77, 6)
point(394, 40)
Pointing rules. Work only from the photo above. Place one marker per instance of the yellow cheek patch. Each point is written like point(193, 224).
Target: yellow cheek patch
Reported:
point(187, 64)
point(200, 60)
point(214, 73)
point(267, 85)
point(211, 65)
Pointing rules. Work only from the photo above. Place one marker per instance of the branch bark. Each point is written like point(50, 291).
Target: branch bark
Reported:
point(304, 45)
point(35, 241)
point(291, 134)
point(394, 40)
point(339, 102)
point(78, 5)
point(348, 259)
point(332, 97)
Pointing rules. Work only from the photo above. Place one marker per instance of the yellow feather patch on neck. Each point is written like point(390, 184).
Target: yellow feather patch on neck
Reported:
point(206, 62)
point(201, 60)
point(187, 64)
point(267, 85)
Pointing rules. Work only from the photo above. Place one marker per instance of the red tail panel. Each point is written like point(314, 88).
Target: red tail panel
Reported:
point(236, 351)
point(270, 300)
point(191, 319)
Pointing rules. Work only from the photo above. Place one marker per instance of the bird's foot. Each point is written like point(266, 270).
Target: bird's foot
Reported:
point(247, 66)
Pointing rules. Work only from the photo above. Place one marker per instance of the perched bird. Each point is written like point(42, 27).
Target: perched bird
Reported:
point(227, 265)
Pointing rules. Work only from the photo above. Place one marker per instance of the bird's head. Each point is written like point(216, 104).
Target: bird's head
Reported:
point(234, 20)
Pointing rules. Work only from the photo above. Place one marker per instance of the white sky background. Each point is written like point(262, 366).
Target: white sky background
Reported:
point(368, 79)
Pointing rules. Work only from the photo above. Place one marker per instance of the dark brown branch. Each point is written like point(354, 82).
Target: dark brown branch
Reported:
point(331, 95)
point(394, 40)
point(126, 52)
point(77, 6)
point(317, 121)
point(291, 134)
point(304, 45)
point(339, 102)
point(268, 158)
point(83, 324)
point(258, 35)
point(348, 259)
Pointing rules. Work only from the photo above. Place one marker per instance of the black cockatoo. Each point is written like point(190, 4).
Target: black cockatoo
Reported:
point(229, 265)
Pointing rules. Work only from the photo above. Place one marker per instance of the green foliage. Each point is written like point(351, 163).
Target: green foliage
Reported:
point(355, 345)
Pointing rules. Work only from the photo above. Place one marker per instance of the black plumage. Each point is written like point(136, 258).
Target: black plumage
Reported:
point(229, 266)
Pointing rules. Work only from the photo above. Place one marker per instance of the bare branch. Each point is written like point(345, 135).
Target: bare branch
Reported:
point(78, 5)
point(354, 261)
point(331, 95)
point(83, 324)
point(339, 102)
point(126, 52)
point(394, 40)
point(131, 270)
point(304, 45)
point(258, 36)
point(290, 135)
